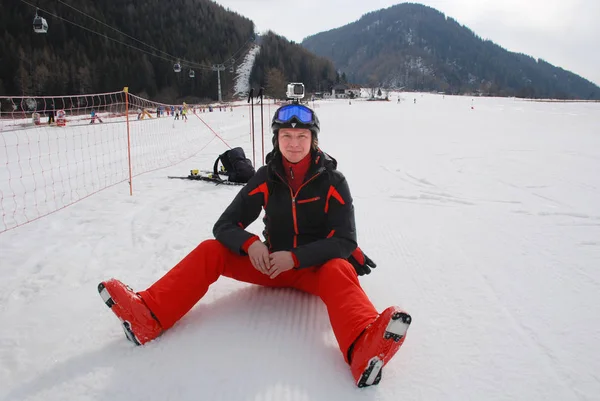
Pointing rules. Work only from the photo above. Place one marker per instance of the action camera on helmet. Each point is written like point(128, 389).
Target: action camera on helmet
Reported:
point(295, 90)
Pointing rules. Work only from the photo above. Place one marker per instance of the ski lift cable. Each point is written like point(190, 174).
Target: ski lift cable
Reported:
point(124, 34)
point(187, 63)
point(240, 49)
point(232, 57)
point(99, 34)
point(115, 29)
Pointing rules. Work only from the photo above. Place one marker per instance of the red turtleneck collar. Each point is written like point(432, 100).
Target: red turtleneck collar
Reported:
point(296, 172)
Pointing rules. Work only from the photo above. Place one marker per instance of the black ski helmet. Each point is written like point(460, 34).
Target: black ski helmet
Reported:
point(295, 115)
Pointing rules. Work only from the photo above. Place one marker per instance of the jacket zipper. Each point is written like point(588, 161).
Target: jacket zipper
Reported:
point(294, 195)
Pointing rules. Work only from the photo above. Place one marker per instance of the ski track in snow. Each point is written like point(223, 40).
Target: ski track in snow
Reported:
point(484, 225)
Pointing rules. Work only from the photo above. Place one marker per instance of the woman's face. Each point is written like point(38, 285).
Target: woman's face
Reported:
point(294, 143)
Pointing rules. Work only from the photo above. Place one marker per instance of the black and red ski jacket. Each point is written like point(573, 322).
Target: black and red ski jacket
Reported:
point(316, 223)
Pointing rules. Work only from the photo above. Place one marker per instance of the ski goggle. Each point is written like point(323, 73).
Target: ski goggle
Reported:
point(301, 113)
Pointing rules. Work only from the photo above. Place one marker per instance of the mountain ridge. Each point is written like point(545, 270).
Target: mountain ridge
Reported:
point(420, 48)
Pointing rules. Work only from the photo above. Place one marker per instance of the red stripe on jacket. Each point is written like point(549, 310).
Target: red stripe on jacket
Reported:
point(261, 188)
point(333, 192)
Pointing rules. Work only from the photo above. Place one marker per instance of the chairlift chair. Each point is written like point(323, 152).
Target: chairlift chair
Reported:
point(39, 24)
point(177, 67)
point(192, 74)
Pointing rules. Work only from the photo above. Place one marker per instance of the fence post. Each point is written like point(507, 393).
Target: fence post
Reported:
point(126, 90)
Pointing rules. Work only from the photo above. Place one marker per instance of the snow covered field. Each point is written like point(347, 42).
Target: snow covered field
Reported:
point(484, 222)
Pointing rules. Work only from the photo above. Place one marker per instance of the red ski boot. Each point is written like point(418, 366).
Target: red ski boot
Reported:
point(377, 345)
point(139, 323)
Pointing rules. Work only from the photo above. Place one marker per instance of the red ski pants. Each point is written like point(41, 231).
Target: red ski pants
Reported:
point(335, 282)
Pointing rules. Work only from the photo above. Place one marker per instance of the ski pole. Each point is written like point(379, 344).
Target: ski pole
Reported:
point(251, 100)
point(262, 126)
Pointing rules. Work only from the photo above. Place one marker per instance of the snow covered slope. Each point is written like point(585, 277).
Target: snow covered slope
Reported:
point(484, 222)
point(242, 77)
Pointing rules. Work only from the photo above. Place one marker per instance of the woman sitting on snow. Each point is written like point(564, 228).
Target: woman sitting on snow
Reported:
point(310, 244)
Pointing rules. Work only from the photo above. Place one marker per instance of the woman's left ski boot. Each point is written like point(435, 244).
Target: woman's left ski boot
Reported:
point(377, 345)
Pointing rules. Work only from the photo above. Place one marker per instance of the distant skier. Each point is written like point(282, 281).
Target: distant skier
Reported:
point(310, 244)
point(51, 113)
point(95, 117)
point(184, 112)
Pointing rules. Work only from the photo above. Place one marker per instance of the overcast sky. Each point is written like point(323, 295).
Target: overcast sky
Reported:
point(565, 33)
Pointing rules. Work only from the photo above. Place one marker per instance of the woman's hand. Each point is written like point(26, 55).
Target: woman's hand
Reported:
point(259, 256)
point(281, 261)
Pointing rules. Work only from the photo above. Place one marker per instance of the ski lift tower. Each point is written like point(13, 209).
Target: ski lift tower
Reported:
point(218, 68)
